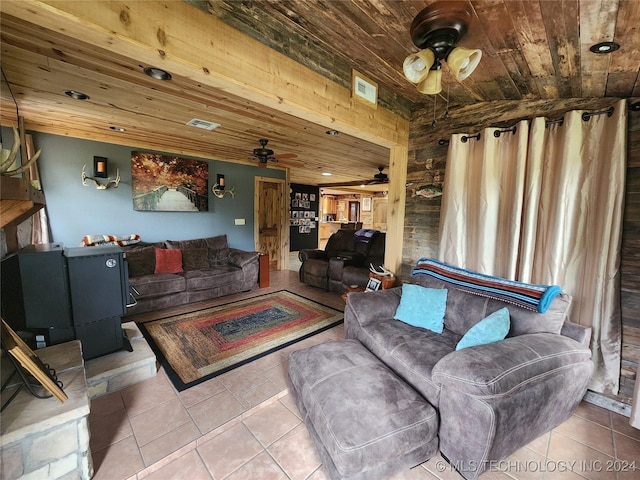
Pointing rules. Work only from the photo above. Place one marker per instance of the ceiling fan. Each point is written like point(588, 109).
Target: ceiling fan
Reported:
point(265, 155)
point(378, 179)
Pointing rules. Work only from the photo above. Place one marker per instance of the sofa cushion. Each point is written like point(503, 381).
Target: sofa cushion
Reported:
point(158, 284)
point(141, 261)
point(218, 257)
point(465, 309)
point(184, 244)
point(488, 330)
point(195, 259)
point(218, 250)
point(526, 321)
point(410, 352)
point(212, 277)
point(168, 260)
point(422, 307)
point(341, 241)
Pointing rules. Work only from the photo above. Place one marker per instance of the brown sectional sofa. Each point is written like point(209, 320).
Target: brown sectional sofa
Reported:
point(210, 267)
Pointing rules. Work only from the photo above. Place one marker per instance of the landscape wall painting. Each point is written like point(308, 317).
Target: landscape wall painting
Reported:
point(163, 183)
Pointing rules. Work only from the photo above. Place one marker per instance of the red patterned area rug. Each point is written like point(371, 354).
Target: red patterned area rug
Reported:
point(196, 346)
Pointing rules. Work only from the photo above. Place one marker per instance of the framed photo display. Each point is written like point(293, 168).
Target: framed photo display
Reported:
point(373, 284)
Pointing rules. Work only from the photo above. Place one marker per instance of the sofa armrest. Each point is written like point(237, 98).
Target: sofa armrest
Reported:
point(579, 333)
point(500, 368)
point(240, 258)
point(365, 307)
point(309, 253)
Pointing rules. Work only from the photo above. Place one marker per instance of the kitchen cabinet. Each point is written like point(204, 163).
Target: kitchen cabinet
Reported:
point(328, 205)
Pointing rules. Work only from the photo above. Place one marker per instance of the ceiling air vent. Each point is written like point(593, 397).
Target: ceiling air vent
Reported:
point(203, 124)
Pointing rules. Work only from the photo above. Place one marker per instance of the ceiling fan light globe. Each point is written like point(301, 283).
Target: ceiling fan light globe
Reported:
point(463, 61)
point(431, 85)
point(416, 66)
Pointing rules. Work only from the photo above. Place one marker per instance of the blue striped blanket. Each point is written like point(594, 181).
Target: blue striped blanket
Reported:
point(526, 295)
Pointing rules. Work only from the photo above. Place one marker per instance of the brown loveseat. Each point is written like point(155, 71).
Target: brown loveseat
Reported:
point(207, 268)
point(369, 402)
point(344, 262)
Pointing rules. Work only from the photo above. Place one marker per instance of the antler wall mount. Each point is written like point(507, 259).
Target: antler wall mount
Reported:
point(436, 31)
point(96, 182)
point(11, 156)
point(218, 189)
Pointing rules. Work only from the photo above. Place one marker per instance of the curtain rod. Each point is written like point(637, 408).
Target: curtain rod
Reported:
point(587, 115)
point(497, 133)
point(551, 122)
point(464, 138)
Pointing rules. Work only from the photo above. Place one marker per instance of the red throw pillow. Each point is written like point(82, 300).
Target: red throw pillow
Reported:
point(168, 260)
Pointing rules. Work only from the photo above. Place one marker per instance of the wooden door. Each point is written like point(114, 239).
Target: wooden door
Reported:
point(270, 212)
point(354, 211)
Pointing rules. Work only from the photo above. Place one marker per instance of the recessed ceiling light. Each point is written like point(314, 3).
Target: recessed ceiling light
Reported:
point(157, 73)
point(77, 95)
point(117, 129)
point(604, 47)
point(326, 174)
point(333, 133)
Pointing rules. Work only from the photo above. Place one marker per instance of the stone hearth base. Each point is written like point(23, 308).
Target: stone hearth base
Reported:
point(118, 370)
point(44, 438)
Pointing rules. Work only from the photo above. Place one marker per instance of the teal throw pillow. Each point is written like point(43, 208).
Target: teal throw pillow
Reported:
point(488, 330)
point(422, 307)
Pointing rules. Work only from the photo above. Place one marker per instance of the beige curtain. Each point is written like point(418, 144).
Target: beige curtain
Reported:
point(544, 205)
point(482, 188)
point(635, 406)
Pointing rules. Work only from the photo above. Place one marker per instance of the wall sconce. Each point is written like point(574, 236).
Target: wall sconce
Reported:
point(100, 171)
point(100, 167)
point(218, 189)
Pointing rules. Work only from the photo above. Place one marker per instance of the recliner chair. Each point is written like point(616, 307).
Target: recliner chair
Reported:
point(343, 262)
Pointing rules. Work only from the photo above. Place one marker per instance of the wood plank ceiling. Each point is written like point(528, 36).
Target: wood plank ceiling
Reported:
point(532, 50)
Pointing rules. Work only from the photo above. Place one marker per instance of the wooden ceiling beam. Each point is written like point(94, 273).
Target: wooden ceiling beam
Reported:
point(193, 44)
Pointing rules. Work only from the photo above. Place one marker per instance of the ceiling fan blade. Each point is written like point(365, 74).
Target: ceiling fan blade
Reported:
point(355, 183)
point(291, 163)
point(284, 156)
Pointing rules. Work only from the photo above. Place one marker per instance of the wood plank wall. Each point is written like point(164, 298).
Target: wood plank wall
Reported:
point(427, 160)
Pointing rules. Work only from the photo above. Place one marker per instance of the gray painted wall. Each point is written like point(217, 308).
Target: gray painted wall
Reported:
point(75, 210)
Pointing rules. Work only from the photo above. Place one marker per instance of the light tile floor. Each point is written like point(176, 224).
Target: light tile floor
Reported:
point(243, 425)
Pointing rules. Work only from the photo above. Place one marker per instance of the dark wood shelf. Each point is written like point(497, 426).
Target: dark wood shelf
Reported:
point(19, 200)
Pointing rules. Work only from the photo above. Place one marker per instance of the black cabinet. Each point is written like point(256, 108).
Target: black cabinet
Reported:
point(34, 292)
point(98, 287)
point(67, 293)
